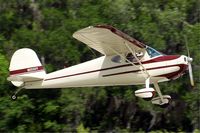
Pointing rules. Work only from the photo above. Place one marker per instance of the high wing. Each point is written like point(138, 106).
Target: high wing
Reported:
point(108, 40)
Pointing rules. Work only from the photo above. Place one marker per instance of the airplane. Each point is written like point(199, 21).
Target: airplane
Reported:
point(124, 61)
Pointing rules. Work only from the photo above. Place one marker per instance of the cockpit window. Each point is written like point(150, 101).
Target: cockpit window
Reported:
point(152, 52)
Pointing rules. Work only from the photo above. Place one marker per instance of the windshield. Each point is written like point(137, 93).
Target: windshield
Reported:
point(152, 52)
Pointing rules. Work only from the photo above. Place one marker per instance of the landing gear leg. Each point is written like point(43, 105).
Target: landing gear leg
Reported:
point(162, 100)
point(147, 85)
point(147, 82)
point(14, 96)
point(159, 92)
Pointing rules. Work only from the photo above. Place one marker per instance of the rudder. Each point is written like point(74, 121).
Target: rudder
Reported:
point(25, 66)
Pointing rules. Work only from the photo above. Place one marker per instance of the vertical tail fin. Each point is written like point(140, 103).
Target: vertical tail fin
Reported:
point(25, 66)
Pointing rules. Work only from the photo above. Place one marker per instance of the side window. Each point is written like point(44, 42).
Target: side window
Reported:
point(129, 56)
point(117, 59)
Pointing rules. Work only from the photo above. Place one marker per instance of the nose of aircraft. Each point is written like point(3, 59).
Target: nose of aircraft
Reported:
point(187, 59)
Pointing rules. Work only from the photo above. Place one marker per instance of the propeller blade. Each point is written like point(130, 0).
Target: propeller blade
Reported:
point(187, 48)
point(189, 62)
point(191, 74)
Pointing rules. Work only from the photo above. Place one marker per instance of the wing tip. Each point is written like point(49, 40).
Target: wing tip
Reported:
point(77, 33)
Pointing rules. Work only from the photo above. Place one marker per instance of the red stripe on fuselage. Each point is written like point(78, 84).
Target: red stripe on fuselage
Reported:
point(161, 59)
point(158, 59)
point(183, 67)
point(26, 70)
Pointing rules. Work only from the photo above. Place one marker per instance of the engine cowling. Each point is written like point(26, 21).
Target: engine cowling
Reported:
point(145, 93)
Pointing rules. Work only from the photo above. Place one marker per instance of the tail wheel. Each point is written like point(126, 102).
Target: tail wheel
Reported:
point(14, 97)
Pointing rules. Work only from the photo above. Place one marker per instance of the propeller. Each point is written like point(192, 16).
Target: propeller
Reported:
point(189, 59)
point(190, 71)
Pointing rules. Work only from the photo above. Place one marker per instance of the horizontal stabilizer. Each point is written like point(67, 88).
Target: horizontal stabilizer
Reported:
point(24, 78)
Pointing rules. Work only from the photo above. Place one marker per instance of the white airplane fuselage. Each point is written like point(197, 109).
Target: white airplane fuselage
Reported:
point(104, 72)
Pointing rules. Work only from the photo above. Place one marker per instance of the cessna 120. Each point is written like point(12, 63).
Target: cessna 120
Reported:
point(125, 61)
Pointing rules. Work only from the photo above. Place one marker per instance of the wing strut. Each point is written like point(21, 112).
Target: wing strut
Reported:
point(143, 68)
point(158, 91)
point(122, 56)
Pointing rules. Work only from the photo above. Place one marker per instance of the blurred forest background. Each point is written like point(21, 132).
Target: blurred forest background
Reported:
point(47, 26)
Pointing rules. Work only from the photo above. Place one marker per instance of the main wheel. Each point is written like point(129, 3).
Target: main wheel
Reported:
point(165, 105)
point(150, 98)
point(13, 97)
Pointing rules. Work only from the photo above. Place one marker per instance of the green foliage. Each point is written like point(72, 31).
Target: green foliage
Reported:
point(15, 116)
point(82, 129)
point(47, 27)
point(3, 75)
point(3, 68)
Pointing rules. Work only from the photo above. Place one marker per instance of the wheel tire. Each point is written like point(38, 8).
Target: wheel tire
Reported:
point(166, 104)
point(14, 97)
